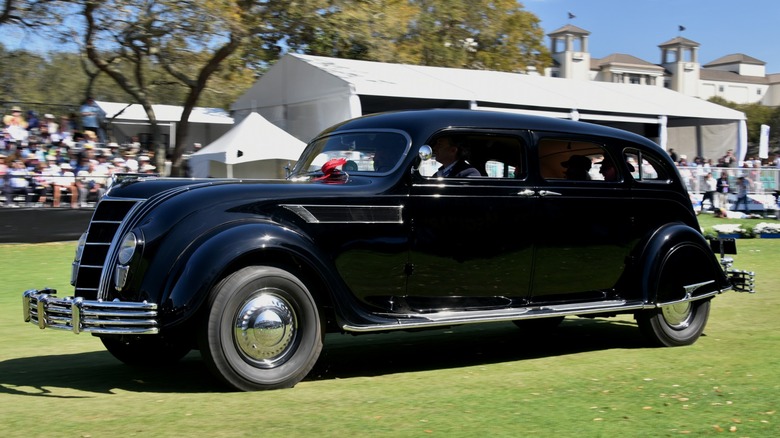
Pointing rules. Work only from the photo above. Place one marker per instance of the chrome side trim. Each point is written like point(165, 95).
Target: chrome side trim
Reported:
point(347, 214)
point(690, 298)
point(45, 310)
point(447, 318)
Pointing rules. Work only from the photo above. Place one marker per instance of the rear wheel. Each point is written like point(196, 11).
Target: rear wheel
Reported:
point(676, 324)
point(262, 331)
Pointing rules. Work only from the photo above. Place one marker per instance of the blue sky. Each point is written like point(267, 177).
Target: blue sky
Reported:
point(721, 27)
point(637, 27)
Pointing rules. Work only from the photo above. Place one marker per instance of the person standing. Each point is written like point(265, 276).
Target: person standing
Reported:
point(710, 187)
point(92, 117)
point(743, 187)
point(722, 188)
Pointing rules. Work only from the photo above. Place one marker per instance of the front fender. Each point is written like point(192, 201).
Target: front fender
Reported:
point(213, 256)
point(676, 256)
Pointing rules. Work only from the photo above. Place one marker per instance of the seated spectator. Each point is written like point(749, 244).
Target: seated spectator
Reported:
point(16, 183)
point(40, 183)
point(3, 167)
point(15, 124)
point(148, 169)
point(65, 182)
point(91, 183)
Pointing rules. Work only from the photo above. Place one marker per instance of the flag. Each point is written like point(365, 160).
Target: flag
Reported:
point(763, 143)
point(682, 28)
point(571, 16)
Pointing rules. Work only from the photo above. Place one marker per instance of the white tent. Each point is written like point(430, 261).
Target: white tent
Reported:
point(255, 148)
point(130, 120)
point(305, 94)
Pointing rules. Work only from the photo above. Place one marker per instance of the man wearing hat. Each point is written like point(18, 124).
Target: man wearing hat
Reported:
point(577, 168)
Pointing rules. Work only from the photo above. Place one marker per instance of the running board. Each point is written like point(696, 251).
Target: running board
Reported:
point(448, 318)
point(410, 321)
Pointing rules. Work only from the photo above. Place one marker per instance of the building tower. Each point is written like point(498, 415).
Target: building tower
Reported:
point(569, 48)
point(680, 57)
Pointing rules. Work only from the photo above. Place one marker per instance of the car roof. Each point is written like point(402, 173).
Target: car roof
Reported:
point(428, 121)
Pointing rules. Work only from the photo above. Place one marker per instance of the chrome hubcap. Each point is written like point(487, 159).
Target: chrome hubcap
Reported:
point(679, 315)
point(265, 329)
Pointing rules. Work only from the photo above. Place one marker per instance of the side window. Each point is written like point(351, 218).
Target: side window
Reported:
point(575, 160)
point(475, 155)
point(646, 167)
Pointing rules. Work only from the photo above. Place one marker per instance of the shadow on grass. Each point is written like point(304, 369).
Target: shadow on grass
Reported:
point(343, 356)
point(347, 356)
point(99, 372)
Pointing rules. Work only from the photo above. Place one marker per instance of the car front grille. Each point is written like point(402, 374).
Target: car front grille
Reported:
point(104, 232)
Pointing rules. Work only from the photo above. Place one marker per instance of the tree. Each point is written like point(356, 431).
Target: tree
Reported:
point(24, 13)
point(480, 34)
point(757, 115)
point(205, 35)
point(484, 34)
point(189, 40)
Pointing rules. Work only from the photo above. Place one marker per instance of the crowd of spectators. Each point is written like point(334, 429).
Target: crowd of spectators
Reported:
point(728, 176)
point(46, 160)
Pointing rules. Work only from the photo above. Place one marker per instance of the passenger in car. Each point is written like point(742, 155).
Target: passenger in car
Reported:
point(608, 170)
point(451, 155)
point(577, 168)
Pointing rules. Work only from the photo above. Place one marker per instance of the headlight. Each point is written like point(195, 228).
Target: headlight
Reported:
point(80, 247)
point(127, 248)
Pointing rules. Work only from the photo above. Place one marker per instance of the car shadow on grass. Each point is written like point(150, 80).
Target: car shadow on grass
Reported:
point(99, 372)
point(343, 356)
point(346, 356)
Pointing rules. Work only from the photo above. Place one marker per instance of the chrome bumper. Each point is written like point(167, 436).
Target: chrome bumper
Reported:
point(742, 281)
point(79, 315)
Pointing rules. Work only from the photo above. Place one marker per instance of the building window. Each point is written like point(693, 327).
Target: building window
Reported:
point(721, 88)
point(758, 91)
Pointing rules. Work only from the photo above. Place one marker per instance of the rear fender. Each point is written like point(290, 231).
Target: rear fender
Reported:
point(675, 257)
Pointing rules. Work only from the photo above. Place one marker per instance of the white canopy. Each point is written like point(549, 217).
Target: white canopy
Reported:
point(130, 120)
point(305, 94)
point(254, 148)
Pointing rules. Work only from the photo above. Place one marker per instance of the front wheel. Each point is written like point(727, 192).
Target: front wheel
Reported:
point(676, 324)
point(262, 330)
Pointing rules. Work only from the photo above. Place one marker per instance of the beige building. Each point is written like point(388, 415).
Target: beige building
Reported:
point(738, 78)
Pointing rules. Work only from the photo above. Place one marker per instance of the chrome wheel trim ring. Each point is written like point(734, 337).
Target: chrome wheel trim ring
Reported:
point(678, 316)
point(265, 329)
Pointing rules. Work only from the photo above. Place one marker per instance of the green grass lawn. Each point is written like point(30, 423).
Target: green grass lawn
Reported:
point(589, 378)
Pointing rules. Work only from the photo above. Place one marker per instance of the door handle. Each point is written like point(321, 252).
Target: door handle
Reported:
point(548, 193)
point(526, 193)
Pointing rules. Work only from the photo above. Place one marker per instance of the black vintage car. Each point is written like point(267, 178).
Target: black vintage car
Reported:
point(556, 218)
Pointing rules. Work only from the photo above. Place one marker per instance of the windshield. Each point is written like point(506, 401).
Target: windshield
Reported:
point(353, 152)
